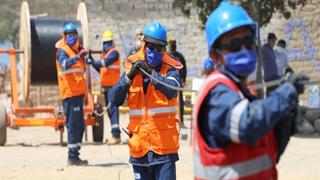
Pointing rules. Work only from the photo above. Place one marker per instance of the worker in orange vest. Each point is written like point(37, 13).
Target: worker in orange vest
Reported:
point(72, 85)
point(154, 139)
point(238, 136)
point(109, 68)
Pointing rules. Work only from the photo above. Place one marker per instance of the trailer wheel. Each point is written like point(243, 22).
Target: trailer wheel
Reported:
point(97, 130)
point(3, 126)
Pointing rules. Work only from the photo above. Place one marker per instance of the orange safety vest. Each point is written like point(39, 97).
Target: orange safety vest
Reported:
point(110, 75)
point(238, 161)
point(71, 81)
point(153, 122)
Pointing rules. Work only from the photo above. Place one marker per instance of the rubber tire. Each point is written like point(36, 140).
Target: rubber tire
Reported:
point(3, 125)
point(97, 131)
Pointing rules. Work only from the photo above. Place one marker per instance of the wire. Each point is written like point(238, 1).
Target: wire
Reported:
point(254, 87)
point(167, 85)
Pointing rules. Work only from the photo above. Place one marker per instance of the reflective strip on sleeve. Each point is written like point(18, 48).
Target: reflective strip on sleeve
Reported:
point(69, 71)
point(103, 64)
point(114, 67)
point(74, 145)
point(63, 65)
point(175, 80)
point(231, 171)
point(235, 119)
point(162, 110)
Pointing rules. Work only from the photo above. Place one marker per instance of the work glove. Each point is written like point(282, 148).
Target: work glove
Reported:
point(134, 70)
point(146, 67)
point(82, 53)
point(296, 80)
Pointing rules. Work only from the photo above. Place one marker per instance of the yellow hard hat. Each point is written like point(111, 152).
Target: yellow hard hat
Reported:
point(138, 31)
point(107, 36)
point(172, 39)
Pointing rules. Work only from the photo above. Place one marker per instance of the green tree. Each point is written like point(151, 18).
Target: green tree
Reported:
point(265, 8)
point(9, 20)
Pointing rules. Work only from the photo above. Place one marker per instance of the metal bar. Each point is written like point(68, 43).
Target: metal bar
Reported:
point(96, 51)
point(31, 110)
point(51, 122)
point(11, 51)
point(14, 79)
point(89, 121)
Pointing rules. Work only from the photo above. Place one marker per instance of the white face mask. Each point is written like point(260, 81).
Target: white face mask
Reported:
point(280, 49)
point(137, 44)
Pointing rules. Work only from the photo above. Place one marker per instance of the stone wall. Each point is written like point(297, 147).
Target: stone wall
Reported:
point(124, 16)
point(302, 35)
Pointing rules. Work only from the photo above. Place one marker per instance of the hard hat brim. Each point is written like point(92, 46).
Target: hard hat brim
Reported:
point(154, 41)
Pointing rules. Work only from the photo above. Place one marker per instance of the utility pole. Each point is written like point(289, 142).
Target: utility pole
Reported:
point(254, 9)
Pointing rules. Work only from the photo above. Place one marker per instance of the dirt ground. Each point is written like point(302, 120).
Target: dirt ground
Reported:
point(34, 153)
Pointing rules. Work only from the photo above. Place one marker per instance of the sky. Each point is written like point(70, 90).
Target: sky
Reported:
point(4, 58)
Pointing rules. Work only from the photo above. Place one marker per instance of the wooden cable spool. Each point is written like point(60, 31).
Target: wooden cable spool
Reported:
point(37, 40)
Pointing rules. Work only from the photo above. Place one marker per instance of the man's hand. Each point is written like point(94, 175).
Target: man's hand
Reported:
point(134, 70)
point(296, 80)
point(82, 53)
point(146, 67)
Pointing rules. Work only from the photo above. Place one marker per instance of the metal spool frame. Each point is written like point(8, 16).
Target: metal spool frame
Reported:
point(27, 58)
point(13, 115)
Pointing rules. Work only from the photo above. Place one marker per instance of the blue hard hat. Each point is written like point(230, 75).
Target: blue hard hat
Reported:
point(226, 17)
point(70, 28)
point(155, 33)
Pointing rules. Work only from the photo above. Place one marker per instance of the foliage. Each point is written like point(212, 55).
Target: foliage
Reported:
point(265, 8)
point(9, 20)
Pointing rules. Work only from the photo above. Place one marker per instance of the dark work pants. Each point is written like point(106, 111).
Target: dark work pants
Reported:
point(73, 110)
point(113, 113)
point(165, 171)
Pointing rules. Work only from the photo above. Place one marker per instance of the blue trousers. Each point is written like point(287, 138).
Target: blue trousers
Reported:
point(165, 171)
point(113, 113)
point(73, 110)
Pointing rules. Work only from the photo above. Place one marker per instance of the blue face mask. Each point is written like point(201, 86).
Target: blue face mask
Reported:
point(107, 46)
point(241, 63)
point(154, 58)
point(71, 39)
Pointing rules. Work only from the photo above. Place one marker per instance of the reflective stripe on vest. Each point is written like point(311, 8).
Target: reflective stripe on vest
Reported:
point(69, 71)
point(159, 110)
point(231, 171)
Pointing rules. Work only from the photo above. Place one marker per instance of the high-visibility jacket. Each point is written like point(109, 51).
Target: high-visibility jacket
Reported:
point(110, 75)
point(153, 122)
point(238, 160)
point(71, 81)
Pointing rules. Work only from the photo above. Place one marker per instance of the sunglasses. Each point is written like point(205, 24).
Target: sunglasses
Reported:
point(72, 35)
point(154, 47)
point(236, 44)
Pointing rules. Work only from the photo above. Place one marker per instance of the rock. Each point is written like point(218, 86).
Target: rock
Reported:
point(305, 128)
point(316, 125)
point(312, 114)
